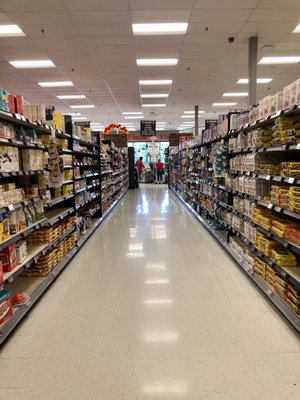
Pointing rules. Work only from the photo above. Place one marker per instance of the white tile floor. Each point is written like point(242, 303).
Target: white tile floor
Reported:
point(152, 308)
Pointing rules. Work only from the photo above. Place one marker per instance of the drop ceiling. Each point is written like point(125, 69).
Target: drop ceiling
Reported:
point(92, 44)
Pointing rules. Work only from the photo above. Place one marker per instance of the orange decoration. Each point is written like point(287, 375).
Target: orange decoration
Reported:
point(115, 126)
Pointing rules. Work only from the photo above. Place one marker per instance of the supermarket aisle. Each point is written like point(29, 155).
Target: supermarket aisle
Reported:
point(152, 308)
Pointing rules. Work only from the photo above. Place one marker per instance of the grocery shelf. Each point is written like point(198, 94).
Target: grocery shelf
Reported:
point(26, 144)
point(106, 172)
point(57, 214)
point(80, 191)
point(87, 201)
point(21, 234)
point(68, 166)
point(275, 178)
point(120, 172)
point(62, 135)
point(272, 296)
point(20, 312)
point(68, 182)
point(20, 120)
point(20, 173)
point(105, 214)
point(53, 202)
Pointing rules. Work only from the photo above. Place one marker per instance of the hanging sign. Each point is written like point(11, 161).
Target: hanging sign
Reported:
point(210, 123)
point(148, 128)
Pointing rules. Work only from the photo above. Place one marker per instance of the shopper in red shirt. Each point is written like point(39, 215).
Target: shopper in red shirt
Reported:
point(159, 171)
point(139, 166)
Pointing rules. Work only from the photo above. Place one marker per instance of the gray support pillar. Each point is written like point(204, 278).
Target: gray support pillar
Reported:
point(196, 120)
point(252, 69)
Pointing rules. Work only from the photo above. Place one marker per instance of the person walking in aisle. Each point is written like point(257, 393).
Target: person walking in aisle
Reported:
point(139, 166)
point(159, 171)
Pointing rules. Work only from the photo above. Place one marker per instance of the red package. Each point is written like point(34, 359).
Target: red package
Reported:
point(12, 103)
point(5, 305)
point(8, 257)
point(1, 273)
point(20, 104)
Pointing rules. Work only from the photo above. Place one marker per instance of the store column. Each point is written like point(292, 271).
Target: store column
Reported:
point(252, 69)
point(196, 120)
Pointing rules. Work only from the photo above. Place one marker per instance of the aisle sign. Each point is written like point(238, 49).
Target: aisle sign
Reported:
point(148, 128)
point(210, 123)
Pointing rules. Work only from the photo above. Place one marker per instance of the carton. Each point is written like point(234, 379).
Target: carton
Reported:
point(5, 305)
point(32, 159)
point(9, 159)
point(8, 256)
point(21, 250)
point(286, 96)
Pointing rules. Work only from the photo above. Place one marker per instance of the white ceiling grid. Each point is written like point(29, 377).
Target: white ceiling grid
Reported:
point(92, 44)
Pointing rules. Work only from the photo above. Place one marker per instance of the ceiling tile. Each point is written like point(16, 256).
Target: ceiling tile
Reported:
point(101, 17)
point(160, 16)
point(220, 15)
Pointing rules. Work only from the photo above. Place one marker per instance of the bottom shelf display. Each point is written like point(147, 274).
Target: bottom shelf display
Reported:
point(282, 288)
point(57, 245)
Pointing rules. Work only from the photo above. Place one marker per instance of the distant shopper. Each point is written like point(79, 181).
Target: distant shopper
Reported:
point(139, 166)
point(159, 171)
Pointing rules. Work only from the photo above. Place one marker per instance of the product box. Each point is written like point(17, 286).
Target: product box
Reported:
point(21, 249)
point(5, 305)
point(1, 273)
point(32, 159)
point(8, 256)
point(286, 96)
point(19, 104)
point(9, 159)
point(12, 103)
point(276, 102)
point(4, 228)
point(4, 100)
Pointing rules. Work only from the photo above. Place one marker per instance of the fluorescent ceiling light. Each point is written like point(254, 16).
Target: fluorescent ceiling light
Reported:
point(72, 114)
point(160, 29)
point(224, 104)
point(10, 31)
point(245, 81)
point(297, 29)
point(134, 117)
point(156, 281)
point(153, 105)
point(187, 116)
point(78, 118)
point(153, 96)
point(244, 94)
point(280, 60)
point(83, 106)
point(32, 64)
point(158, 301)
point(149, 82)
point(193, 112)
point(156, 62)
point(132, 113)
point(160, 129)
point(71, 96)
point(56, 84)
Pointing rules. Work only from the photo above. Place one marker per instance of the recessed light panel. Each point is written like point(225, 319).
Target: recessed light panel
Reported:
point(72, 114)
point(32, 63)
point(160, 29)
point(132, 113)
point(241, 94)
point(71, 96)
point(83, 106)
point(134, 117)
point(10, 31)
point(245, 81)
point(56, 84)
point(79, 118)
point(157, 82)
point(153, 105)
point(193, 112)
point(154, 96)
point(224, 104)
point(280, 60)
point(156, 62)
point(297, 29)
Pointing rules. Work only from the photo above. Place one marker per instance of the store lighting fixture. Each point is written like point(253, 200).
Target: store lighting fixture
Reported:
point(156, 62)
point(10, 31)
point(156, 281)
point(150, 82)
point(83, 106)
point(135, 117)
point(153, 105)
point(241, 94)
point(132, 113)
point(72, 114)
point(178, 28)
point(154, 96)
point(224, 104)
point(245, 81)
point(71, 96)
point(79, 118)
point(32, 63)
point(56, 84)
point(158, 301)
point(160, 129)
point(297, 29)
point(280, 60)
point(160, 336)
point(188, 116)
point(193, 112)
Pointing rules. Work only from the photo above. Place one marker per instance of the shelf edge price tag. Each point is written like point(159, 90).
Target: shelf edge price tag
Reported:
point(11, 207)
point(270, 206)
point(291, 180)
point(268, 177)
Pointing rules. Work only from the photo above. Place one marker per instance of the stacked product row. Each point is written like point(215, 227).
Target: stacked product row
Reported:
point(52, 198)
point(244, 186)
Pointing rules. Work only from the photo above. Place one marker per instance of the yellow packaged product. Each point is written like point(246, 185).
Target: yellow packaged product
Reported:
point(281, 291)
point(293, 306)
point(281, 254)
point(294, 191)
point(280, 281)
